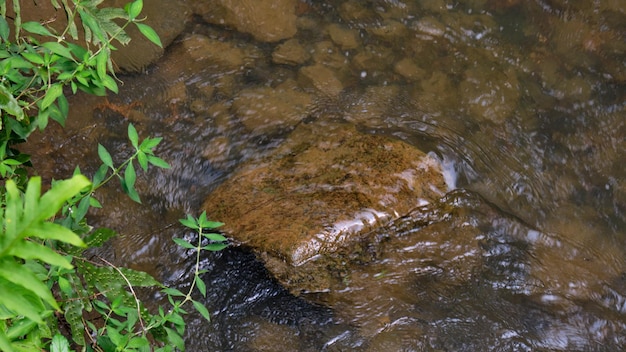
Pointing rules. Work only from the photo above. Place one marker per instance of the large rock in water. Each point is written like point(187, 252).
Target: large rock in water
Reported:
point(317, 193)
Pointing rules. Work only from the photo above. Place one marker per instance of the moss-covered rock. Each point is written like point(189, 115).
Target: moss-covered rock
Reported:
point(315, 194)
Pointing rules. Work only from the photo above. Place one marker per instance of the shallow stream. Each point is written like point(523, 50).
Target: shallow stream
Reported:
point(522, 101)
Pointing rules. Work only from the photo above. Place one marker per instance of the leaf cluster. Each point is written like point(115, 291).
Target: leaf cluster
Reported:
point(38, 62)
point(216, 242)
point(42, 252)
point(126, 172)
point(51, 296)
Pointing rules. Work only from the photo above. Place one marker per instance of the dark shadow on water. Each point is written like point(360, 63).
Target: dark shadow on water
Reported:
point(250, 302)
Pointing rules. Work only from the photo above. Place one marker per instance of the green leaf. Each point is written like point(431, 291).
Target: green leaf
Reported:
point(173, 292)
point(12, 162)
point(139, 342)
point(183, 243)
point(150, 143)
point(149, 33)
point(81, 210)
point(189, 222)
point(57, 48)
point(201, 286)
point(94, 203)
point(99, 176)
point(202, 310)
point(52, 94)
point(110, 13)
point(215, 247)
point(130, 176)
point(12, 212)
point(139, 278)
point(110, 83)
point(134, 9)
point(74, 317)
point(65, 286)
point(52, 231)
point(72, 29)
point(32, 250)
point(101, 64)
point(59, 344)
point(5, 344)
point(99, 237)
point(41, 120)
point(14, 298)
point(16, 62)
point(9, 104)
point(36, 28)
point(33, 57)
point(158, 162)
point(206, 224)
point(175, 338)
point(19, 275)
point(4, 29)
point(116, 337)
point(101, 305)
point(143, 160)
point(64, 107)
point(105, 156)
point(133, 136)
point(56, 111)
point(22, 326)
point(132, 193)
point(31, 199)
point(215, 237)
point(90, 24)
point(77, 50)
point(51, 201)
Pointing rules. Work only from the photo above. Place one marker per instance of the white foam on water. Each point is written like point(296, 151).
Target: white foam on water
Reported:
point(448, 169)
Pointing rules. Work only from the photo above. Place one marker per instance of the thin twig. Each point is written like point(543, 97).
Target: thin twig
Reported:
point(143, 328)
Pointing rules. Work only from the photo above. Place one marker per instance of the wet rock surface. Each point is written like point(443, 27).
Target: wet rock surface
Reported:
point(266, 20)
point(322, 188)
point(267, 110)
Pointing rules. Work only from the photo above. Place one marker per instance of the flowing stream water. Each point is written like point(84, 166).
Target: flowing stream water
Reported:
point(522, 101)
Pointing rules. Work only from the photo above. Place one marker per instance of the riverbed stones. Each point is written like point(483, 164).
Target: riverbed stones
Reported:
point(346, 38)
point(290, 53)
point(377, 101)
point(225, 56)
point(409, 70)
point(321, 189)
point(491, 95)
point(265, 20)
point(322, 79)
point(166, 17)
point(265, 110)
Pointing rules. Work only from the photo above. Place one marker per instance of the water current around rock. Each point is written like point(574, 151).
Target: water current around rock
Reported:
point(523, 102)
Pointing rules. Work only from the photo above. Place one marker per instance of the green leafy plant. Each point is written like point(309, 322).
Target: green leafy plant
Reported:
point(216, 241)
point(38, 61)
point(52, 297)
point(42, 251)
point(25, 300)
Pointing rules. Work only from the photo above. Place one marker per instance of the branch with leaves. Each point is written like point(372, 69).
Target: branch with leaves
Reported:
point(46, 282)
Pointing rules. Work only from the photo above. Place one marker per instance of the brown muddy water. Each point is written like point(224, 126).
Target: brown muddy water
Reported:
point(523, 102)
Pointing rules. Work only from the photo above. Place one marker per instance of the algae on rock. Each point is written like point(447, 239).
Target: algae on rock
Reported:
point(317, 192)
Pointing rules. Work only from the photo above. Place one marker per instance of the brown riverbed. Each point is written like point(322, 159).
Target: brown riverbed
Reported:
point(521, 102)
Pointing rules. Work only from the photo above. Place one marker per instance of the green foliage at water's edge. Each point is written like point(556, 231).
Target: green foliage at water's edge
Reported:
point(52, 297)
